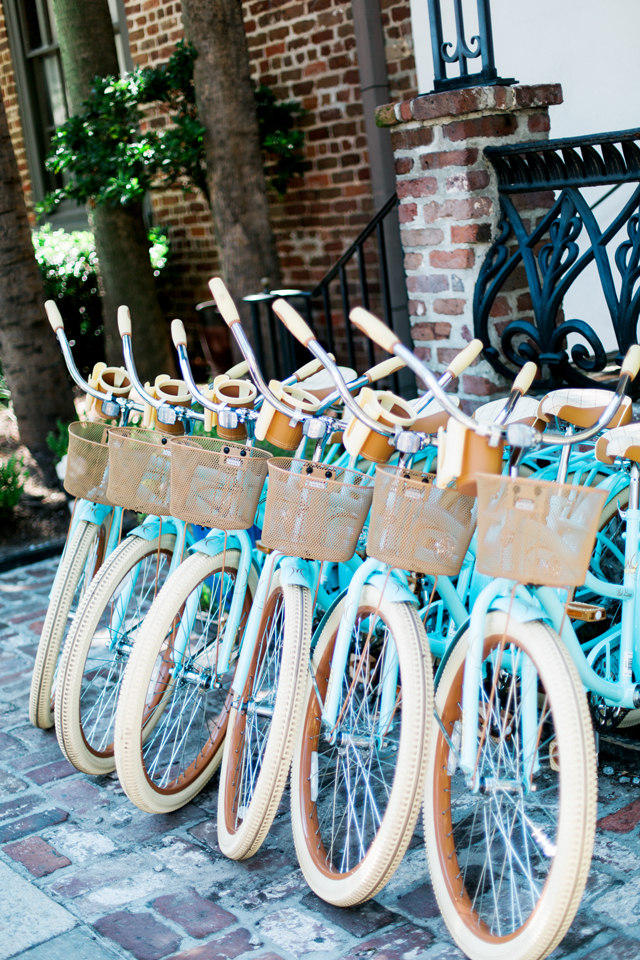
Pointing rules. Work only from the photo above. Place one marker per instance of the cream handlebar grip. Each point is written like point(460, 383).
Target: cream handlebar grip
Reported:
point(124, 321)
point(375, 329)
point(294, 323)
point(224, 301)
point(307, 370)
point(631, 362)
point(526, 377)
point(465, 358)
point(53, 315)
point(384, 369)
point(238, 372)
point(178, 333)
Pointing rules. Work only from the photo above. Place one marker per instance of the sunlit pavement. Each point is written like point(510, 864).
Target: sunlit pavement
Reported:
point(85, 875)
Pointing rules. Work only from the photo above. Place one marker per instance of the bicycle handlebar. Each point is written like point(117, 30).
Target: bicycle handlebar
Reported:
point(227, 308)
point(525, 378)
point(387, 339)
point(303, 332)
point(459, 363)
point(124, 326)
point(57, 325)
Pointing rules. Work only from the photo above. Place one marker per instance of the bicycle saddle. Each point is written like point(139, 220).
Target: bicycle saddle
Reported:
point(582, 407)
point(526, 411)
point(620, 442)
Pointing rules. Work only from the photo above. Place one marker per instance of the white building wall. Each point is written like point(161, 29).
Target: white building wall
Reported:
point(591, 47)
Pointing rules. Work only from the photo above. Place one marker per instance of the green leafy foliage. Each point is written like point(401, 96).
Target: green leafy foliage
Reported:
point(12, 480)
point(58, 442)
point(5, 393)
point(69, 266)
point(282, 143)
point(108, 158)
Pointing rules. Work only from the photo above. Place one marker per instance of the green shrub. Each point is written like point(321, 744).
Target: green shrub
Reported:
point(108, 159)
point(12, 480)
point(69, 266)
point(58, 442)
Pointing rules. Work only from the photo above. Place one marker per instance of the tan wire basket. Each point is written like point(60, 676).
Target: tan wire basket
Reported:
point(140, 470)
point(315, 511)
point(216, 483)
point(87, 472)
point(536, 532)
point(416, 526)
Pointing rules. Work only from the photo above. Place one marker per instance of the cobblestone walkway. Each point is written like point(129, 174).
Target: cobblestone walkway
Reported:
point(84, 875)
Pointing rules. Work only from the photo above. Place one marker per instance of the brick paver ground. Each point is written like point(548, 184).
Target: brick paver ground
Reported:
point(84, 875)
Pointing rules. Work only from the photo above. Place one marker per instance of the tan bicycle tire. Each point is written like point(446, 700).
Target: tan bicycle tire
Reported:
point(398, 823)
point(55, 624)
point(243, 842)
point(129, 716)
point(78, 644)
point(561, 895)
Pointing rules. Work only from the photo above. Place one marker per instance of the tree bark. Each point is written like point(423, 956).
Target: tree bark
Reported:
point(127, 277)
point(88, 49)
point(235, 173)
point(31, 360)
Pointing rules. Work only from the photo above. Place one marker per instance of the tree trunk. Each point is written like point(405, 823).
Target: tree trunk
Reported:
point(88, 49)
point(31, 360)
point(235, 173)
point(127, 277)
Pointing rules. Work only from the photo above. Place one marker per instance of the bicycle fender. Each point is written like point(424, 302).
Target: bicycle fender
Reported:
point(296, 573)
point(213, 543)
point(92, 512)
point(393, 588)
point(149, 529)
point(520, 610)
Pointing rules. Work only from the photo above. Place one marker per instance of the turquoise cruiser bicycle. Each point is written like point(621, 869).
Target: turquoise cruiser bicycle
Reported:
point(510, 796)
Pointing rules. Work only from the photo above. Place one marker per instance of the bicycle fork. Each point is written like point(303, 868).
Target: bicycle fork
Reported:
point(520, 607)
point(379, 574)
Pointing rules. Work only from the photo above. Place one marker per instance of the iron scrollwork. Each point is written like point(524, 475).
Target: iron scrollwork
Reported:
point(479, 46)
point(550, 255)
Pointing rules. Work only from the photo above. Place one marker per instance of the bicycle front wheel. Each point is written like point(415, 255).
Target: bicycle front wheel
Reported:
point(174, 707)
point(509, 860)
point(264, 721)
point(98, 648)
point(357, 787)
point(81, 561)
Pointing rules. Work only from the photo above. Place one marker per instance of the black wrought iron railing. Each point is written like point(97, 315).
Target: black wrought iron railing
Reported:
point(361, 277)
point(460, 51)
point(541, 255)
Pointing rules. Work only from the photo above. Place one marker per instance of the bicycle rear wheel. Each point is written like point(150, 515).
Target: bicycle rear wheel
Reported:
point(509, 863)
point(98, 648)
point(174, 706)
point(81, 561)
point(356, 790)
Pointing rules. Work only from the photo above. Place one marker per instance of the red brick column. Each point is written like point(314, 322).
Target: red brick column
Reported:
point(449, 210)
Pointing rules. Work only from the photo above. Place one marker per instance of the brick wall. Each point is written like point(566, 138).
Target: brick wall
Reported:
point(305, 51)
point(449, 213)
point(10, 98)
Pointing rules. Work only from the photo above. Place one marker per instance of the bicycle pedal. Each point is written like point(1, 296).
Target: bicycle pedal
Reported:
point(586, 611)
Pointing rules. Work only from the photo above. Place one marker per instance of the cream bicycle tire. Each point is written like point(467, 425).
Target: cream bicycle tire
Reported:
point(130, 762)
point(77, 648)
point(561, 893)
point(239, 841)
point(394, 833)
point(56, 622)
